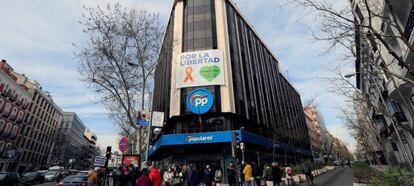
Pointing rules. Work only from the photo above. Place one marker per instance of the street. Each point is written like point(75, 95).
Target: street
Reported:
point(339, 177)
point(47, 184)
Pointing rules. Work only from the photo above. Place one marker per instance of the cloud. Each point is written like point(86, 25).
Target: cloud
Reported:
point(36, 38)
point(340, 131)
point(285, 29)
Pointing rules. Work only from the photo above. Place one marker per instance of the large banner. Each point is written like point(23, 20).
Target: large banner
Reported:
point(131, 159)
point(200, 68)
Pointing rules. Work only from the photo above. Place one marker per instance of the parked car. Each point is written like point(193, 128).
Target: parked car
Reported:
point(76, 180)
point(43, 172)
point(32, 178)
point(82, 173)
point(51, 175)
point(73, 172)
point(9, 179)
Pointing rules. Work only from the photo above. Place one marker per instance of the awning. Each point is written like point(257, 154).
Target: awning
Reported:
point(222, 137)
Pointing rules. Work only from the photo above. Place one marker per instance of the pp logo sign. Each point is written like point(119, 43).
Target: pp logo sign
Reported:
point(200, 101)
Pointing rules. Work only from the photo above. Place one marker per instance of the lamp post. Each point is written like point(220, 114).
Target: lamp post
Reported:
point(388, 111)
point(138, 128)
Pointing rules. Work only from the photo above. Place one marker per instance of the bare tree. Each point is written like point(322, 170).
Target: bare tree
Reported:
point(119, 37)
point(340, 26)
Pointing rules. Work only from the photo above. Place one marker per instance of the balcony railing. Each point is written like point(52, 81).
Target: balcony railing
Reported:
point(410, 25)
point(400, 116)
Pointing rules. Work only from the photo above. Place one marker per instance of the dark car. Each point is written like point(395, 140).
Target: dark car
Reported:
point(9, 179)
point(32, 178)
point(75, 180)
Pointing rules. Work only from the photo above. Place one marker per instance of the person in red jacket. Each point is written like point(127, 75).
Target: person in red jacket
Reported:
point(155, 176)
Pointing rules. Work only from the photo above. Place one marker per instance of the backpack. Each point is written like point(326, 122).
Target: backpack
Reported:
point(217, 175)
point(289, 172)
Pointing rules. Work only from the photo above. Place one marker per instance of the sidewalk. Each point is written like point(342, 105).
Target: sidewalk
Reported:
point(380, 168)
point(338, 177)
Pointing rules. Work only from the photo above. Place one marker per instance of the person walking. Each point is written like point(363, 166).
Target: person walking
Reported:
point(248, 177)
point(289, 175)
point(267, 175)
point(143, 180)
point(133, 174)
point(124, 178)
point(241, 177)
point(208, 175)
point(155, 176)
point(256, 173)
point(231, 174)
point(218, 175)
point(93, 179)
point(168, 175)
point(276, 174)
point(177, 178)
point(307, 171)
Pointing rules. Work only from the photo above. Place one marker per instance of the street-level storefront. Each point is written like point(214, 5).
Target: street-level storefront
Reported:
point(215, 148)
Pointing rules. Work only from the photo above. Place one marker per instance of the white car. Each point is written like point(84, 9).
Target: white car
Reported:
point(51, 175)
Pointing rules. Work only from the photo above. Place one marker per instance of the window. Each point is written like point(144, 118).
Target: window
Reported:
point(7, 109)
point(199, 25)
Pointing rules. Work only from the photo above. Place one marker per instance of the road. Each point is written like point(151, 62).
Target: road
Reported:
point(47, 184)
point(338, 177)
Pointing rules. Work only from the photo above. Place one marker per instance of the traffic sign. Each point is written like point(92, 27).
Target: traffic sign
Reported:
point(157, 119)
point(142, 118)
point(123, 144)
point(99, 161)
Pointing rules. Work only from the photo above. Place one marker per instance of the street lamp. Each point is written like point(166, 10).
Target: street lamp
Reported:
point(350, 75)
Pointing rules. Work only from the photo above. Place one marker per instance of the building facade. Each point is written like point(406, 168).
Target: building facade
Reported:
point(315, 134)
point(37, 138)
point(71, 140)
point(383, 82)
point(14, 105)
point(216, 78)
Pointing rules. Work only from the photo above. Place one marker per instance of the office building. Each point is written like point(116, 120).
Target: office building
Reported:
point(216, 79)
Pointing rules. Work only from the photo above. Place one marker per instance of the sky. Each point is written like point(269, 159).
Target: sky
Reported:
point(37, 37)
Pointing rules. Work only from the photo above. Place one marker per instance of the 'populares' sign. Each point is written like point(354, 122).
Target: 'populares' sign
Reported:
point(200, 68)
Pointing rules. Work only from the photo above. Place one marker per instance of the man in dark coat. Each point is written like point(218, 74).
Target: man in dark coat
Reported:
point(276, 174)
point(208, 175)
point(231, 174)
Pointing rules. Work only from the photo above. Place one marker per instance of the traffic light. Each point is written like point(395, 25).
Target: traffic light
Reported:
point(108, 152)
point(235, 142)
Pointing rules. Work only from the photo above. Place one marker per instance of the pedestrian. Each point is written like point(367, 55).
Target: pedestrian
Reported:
point(218, 175)
point(124, 178)
point(194, 176)
point(349, 164)
point(143, 180)
point(168, 175)
point(241, 178)
point(276, 174)
point(267, 175)
point(187, 174)
point(208, 175)
point(289, 175)
point(307, 171)
point(177, 178)
point(248, 177)
point(93, 179)
point(256, 173)
point(231, 174)
point(155, 176)
point(133, 174)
